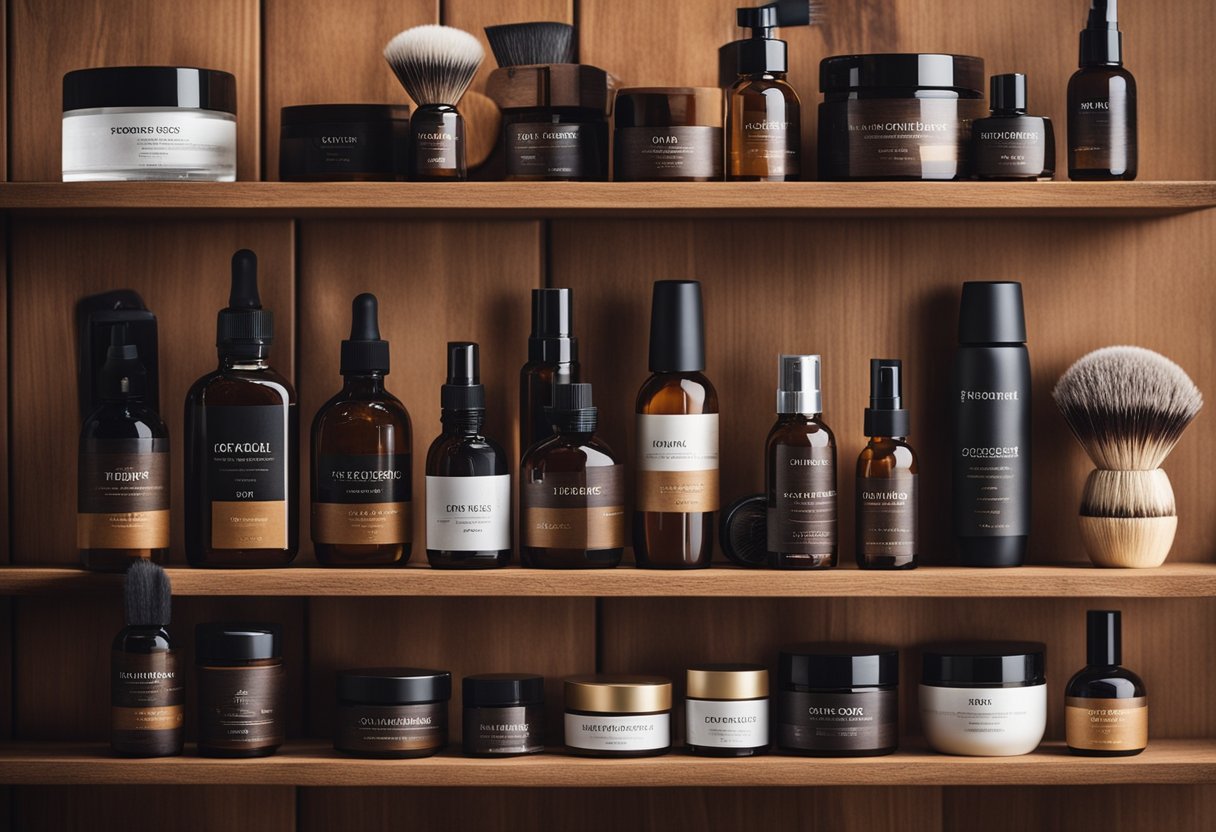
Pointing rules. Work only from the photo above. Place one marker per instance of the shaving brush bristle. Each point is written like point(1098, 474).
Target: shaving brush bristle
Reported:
point(435, 64)
point(1128, 494)
point(800, 12)
point(147, 595)
point(527, 44)
point(1127, 406)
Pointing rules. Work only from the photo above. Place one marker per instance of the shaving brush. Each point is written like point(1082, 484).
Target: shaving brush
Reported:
point(530, 44)
point(435, 64)
point(1128, 407)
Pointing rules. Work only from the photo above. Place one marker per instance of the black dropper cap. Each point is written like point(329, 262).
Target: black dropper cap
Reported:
point(1007, 93)
point(1103, 638)
point(1101, 40)
point(364, 352)
point(244, 329)
point(463, 389)
point(677, 327)
point(572, 410)
point(762, 52)
point(123, 376)
point(992, 313)
point(886, 415)
point(552, 315)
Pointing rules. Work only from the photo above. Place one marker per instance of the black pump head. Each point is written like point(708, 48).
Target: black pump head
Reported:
point(123, 376)
point(1007, 93)
point(244, 329)
point(463, 389)
point(573, 409)
point(364, 352)
point(760, 20)
point(146, 595)
point(677, 327)
point(552, 314)
point(1101, 40)
point(1103, 638)
point(886, 415)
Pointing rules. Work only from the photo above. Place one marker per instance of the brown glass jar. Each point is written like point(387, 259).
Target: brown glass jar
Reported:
point(239, 668)
point(393, 712)
point(504, 714)
point(618, 716)
point(668, 134)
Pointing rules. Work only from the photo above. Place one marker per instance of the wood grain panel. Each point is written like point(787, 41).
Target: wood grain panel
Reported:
point(317, 52)
point(183, 273)
point(5, 404)
point(1110, 808)
point(436, 282)
point(1157, 636)
point(474, 15)
point(667, 810)
point(7, 637)
point(852, 291)
point(552, 637)
point(49, 38)
point(136, 808)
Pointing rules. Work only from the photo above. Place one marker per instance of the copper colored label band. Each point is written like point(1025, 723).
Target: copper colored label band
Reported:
point(575, 528)
point(678, 491)
point(147, 719)
point(249, 525)
point(123, 530)
point(1106, 724)
point(373, 524)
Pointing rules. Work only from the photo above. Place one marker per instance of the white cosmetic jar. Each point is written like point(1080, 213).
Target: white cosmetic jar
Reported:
point(984, 699)
point(726, 710)
point(618, 716)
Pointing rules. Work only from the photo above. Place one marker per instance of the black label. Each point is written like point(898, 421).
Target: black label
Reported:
point(123, 475)
point(886, 515)
point(553, 151)
point(864, 721)
point(240, 706)
point(1013, 147)
point(802, 512)
point(654, 153)
point(363, 478)
point(246, 453)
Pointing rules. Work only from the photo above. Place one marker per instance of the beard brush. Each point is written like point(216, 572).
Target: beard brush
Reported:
point(1128, 407)
point(532, 44)
point(147, 595)
point(435, 65)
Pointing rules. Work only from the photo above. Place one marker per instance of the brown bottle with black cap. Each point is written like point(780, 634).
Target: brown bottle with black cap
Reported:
point(1102, 131)
point(763, 114)
point(676, 448)
point(886, 508)
point(552, 360)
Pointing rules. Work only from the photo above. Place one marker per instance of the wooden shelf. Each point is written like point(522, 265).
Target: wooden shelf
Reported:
point(316, 764)
point(1170, 581)
point(515, 200)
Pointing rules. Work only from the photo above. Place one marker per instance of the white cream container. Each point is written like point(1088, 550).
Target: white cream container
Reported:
point(726, 712)
point(618, 716)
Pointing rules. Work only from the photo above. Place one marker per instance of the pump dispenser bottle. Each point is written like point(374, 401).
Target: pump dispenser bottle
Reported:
point(887, 473)
point(123, 471)
point(763, 114)
point(552, 360)
point(990, 396)
point(1105, 705)
point(800, 471)
point(572, 490)
point(361, 454)
point(676, 448)
point(468, 481)
point(242, 430)
point(1102, 133)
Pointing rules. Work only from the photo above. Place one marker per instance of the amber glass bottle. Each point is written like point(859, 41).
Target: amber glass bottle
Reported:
point(1103, 142)
point(677, 437)
point(572, 491)
point(361, 456)
point(242, 429)
point(552, 360)
point(763, 125)
point(468, 480)
point(800, 469)
point(886, 506)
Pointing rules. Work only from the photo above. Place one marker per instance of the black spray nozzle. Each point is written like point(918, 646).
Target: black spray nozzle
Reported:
point(886, 415)
point(364, 352)
point(552, 314)
point(122, 374)
point(463, 389)
point(1101, 40)
point(120, 349)
point(244, 293)
point(1103, 14)
point(244, 329)
point(1008, 93)
point(573, 409)
point(760, 20)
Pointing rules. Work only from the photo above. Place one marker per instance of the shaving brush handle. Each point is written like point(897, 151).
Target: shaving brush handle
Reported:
point(1128, 494)
point(1128, 518)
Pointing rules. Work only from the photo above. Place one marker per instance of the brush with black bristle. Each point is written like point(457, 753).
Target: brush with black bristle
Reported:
point(1128, 407)
point(532, 44)
point(146, 693)
point(435, 65)
point(147, 595)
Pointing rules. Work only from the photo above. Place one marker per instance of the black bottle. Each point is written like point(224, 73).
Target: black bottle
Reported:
point(242, 432)
point(1102, 132)
point(122, 510)
point(887, 476)
point(1105, 705)
point(468, 481)
point(552, 360)
point(990, 396)
point(1010, 145)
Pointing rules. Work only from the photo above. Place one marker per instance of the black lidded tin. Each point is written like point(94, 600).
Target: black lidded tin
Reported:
point(343, 142)
point(504, 714)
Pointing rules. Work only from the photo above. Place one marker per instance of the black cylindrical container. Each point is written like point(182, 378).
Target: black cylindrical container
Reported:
point(393, 712)
point(239, 670)
point(504, 714)
point(991, 400)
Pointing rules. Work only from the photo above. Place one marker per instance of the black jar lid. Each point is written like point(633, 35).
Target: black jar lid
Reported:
point(497, 690)
point(831, 666)
point(394, 686)
point(901, 70)
point(305, 114)
point(149, 86)
point(984, 663)
point(237, 642)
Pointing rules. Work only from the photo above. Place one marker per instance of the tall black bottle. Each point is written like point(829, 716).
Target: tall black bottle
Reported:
point(552, 360)
point(990, 393)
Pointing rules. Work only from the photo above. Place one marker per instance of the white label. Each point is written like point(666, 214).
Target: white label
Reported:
point(181, 143)
point(984, 722)
point(618, 733)
point(678, 443)
point(727, 724)
point(468, 514)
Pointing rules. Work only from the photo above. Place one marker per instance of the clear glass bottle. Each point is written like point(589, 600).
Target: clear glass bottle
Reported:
point(887, 476)
point(764, 128)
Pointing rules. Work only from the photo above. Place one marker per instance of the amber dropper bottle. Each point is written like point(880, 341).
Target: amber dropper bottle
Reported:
point(886, 507)
point(361, 456)
point(552, 360)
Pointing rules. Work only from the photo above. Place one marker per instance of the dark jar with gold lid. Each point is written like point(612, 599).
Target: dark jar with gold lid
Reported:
point(393, 712)
point(240, 689)
point(504, 714)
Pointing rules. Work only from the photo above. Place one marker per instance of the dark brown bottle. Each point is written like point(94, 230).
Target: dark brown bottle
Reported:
point(887, 474)
point(468, 480)
point(242, 430)
point(677, 437)
point(763, 124)
point(1105, 704)
point(552, 360)
point(572, 491)
point(123, 469)
point(1103, 143)
point(800, 470)
point(1010, 145)
point(361, 456)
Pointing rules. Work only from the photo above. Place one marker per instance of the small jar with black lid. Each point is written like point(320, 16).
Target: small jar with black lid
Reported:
point(618, 716)
point(240, 689)
point(726, 710)
point(343, 142)
point(393, 712)
point(838, 700)
point(504, 714)
point(667, 134)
